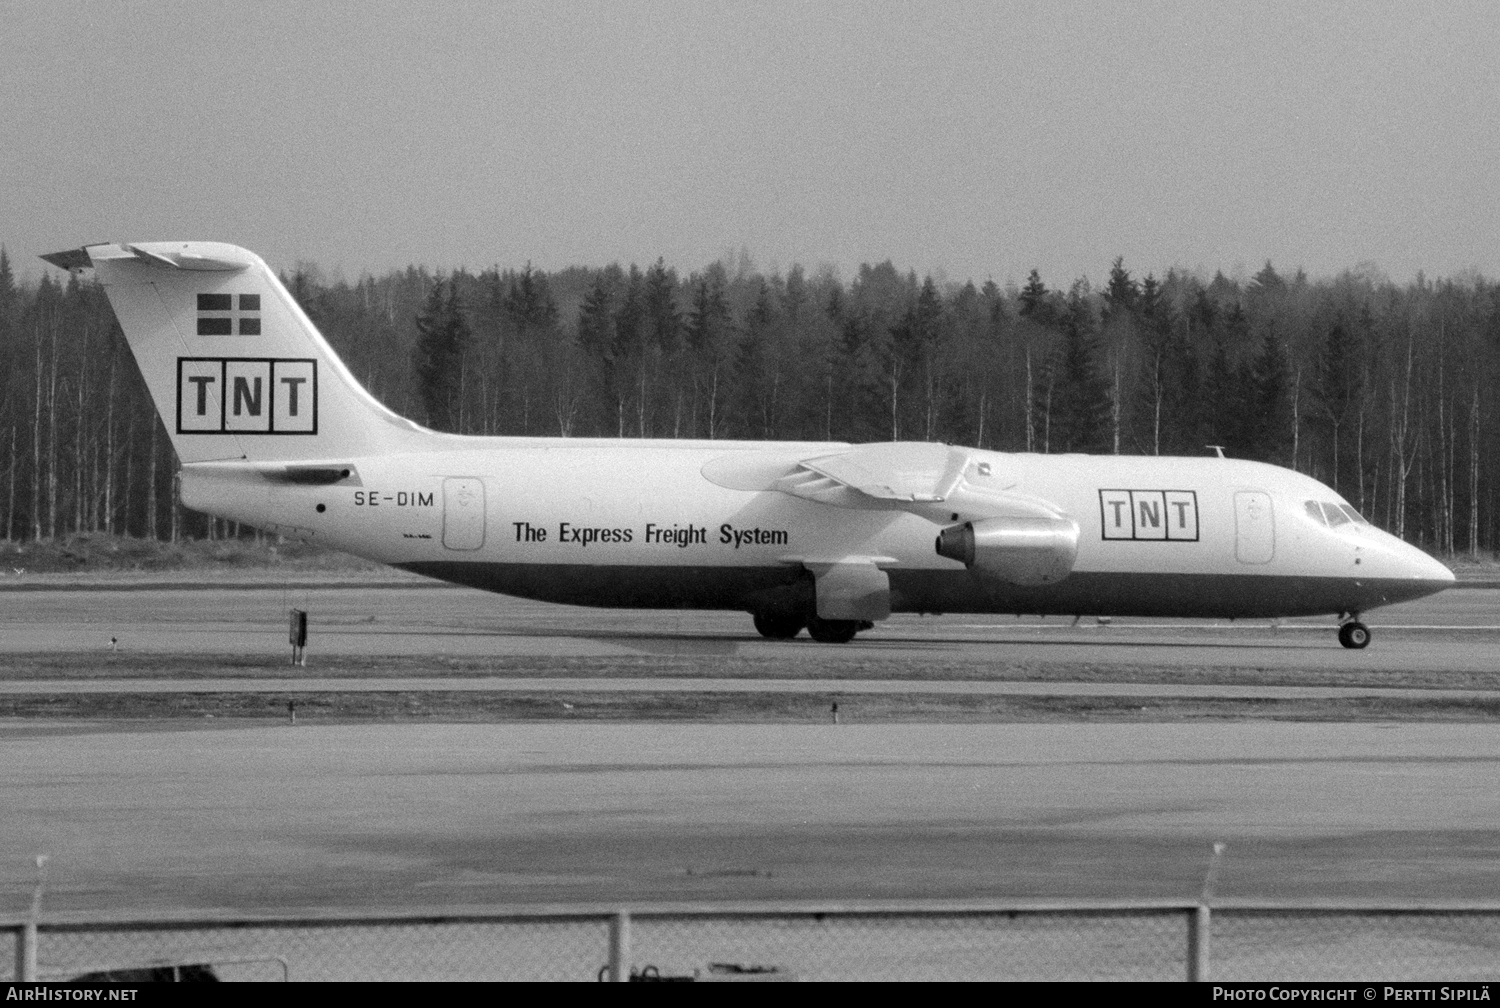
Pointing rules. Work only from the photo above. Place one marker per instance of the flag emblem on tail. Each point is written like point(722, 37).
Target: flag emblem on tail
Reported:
point(247, 395)
point(227, 314)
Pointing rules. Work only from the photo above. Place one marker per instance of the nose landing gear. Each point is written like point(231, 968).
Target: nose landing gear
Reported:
point(1354, 634)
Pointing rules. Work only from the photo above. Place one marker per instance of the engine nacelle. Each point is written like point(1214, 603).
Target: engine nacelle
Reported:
point(1023, 551)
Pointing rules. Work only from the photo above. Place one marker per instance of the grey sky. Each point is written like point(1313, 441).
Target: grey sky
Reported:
point(973, 140)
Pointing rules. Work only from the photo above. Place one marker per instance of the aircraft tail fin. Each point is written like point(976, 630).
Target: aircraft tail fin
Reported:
point(235, 367)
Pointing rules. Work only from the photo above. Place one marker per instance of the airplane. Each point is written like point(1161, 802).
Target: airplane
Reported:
point(273, 430)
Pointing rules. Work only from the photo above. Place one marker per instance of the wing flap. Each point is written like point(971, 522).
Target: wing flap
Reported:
point(914, 471)
point(934, 481)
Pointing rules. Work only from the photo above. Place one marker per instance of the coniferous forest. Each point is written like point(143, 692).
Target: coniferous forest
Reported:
point(1386, 391)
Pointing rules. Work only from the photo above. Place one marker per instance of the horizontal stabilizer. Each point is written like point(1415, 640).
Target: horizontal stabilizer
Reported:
point(182, 256)
point(72, 259)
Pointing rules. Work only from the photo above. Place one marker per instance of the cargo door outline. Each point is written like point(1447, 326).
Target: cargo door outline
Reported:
point(463, 513)
point(1254, 527)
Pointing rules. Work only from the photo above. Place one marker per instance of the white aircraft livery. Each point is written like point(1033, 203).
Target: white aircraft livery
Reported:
point(273, 430)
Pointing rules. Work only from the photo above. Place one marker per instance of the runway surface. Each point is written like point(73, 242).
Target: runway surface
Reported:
point(184, 816)
point(1456, 631)
point(587, 684)
point(372, 816)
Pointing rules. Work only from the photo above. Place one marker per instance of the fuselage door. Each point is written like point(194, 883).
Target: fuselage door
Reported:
point(1254, 527)
point(463, 513)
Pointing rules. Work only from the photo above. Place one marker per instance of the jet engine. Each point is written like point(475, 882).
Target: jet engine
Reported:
point(1023, 551)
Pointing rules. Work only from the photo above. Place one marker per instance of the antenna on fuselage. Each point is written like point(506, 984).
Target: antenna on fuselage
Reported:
point(1218, 448)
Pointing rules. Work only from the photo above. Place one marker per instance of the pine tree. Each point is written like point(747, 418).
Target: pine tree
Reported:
point(1079, 411)
point(1268, 429)
point(629, 353)
point(597, 343)
point(1268, 281)
point(1149, 303)
point(1034, 299)
point(442, 338)
point(7, 297)
point(1122, 292)
point(529, 305)
point(709, 340)
point(1337, 390)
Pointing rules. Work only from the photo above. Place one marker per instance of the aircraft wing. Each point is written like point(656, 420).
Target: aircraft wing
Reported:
point(900, 472)
point(936, 481)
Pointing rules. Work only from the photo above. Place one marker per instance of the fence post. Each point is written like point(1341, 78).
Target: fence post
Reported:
point(26, 953)
point(619, 947)
point(1200, 921)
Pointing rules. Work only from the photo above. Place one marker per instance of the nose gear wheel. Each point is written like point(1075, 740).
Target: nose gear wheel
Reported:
point(1354, 634)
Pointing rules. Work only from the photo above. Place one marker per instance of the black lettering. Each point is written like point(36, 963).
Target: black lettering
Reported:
point(745, 537)
point(425, 499)
point(359, 497)
point(291, 402)
point(243, 396)
point(202, 381)
point(582, 535)
point(1117, 505)
point(1150, 513)
point(1181, 507)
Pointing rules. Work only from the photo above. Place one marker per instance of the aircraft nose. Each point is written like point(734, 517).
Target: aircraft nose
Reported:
point(1421, 567)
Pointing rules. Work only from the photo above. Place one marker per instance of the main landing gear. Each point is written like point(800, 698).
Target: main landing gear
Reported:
point(833, 631)
point(1354, 634)
point(778, 627)
point(824, 631)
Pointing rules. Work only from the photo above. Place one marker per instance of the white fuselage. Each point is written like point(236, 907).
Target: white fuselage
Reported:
point(637, 523)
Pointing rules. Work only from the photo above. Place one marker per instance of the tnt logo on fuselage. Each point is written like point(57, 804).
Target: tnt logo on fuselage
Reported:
point(247, 395)
point(1149, 514)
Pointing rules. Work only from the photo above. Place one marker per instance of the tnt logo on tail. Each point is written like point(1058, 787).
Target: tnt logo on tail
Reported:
point(247, 395)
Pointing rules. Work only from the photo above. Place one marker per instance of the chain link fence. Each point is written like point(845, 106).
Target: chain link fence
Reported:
point(1453, 945)
point(898, 942)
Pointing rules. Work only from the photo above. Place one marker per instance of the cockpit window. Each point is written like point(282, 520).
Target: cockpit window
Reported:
point(1328, 513)
point(1336, 516)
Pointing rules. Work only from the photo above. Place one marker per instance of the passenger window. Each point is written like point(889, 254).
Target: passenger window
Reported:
point(1336, 516)
point(1315, 511)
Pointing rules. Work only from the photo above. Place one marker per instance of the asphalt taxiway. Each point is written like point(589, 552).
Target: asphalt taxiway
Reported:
point(190, 816)
point(1456, 631)
point(253, 818)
